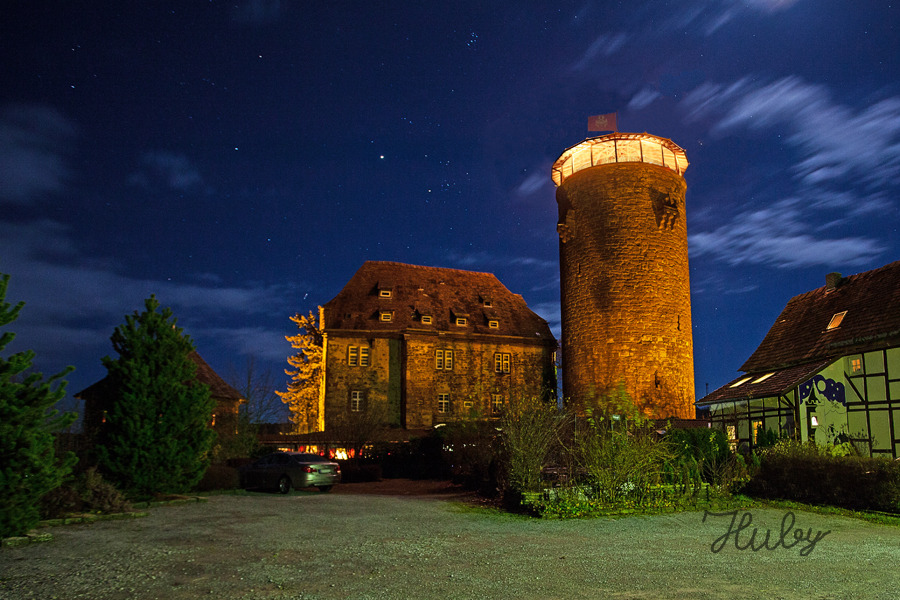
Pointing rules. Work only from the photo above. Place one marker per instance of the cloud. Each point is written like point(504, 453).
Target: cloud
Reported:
point(604, 46)
point(835, 141)
point(781, 235)
point(550, 312)
point(486, 260)
point(34, 142)
point(536, 182)
point(847, 161)
point(85, 300)
point(167, 169)
point(643, 99)
point(710, 16)
point(258, 342)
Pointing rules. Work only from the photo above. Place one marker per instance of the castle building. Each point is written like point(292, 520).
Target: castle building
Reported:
point(418, 346)
point(624, 280)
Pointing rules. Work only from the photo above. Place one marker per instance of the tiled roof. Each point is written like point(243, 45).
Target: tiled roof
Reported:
point(799, 335)
point(219, 390)
point(439, 293)
point(745, 388)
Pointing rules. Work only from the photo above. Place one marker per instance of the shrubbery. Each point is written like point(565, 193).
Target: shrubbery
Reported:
point(87, 492)
point(805, 472)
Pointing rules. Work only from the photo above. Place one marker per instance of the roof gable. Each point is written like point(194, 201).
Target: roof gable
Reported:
point(445, 295)
point(218, 388)
point(871, 303)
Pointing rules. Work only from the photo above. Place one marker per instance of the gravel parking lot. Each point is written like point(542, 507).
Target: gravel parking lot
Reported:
point(367, 541)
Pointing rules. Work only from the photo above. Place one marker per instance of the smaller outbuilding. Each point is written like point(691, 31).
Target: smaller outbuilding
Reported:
point(828, 370)
point(224, 418)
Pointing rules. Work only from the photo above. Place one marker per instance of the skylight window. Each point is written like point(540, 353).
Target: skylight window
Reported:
point(385, 293)
point(764, 377)
point(740, 382)
point(836, 320)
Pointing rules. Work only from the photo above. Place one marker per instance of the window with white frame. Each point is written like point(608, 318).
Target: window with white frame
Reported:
point(443, 360)
point(443, 403)
point(502, 362)
point(496, 403)
point(461, 321)
point(386, 316)
point(426, 319)
point(357, 400)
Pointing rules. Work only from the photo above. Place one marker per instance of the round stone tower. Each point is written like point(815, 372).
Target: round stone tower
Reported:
point(626, 297)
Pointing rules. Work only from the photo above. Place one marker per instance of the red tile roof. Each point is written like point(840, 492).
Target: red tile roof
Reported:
point(770, 387)
point(799, 335)
point(800, 344)
point(443, 294)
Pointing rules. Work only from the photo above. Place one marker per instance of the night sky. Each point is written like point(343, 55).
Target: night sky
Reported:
point(241, 160)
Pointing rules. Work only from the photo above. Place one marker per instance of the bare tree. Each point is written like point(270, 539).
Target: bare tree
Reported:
point(257, 386)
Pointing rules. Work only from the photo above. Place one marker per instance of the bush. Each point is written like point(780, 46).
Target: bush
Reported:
point(88, 492)
point(805, 472)
point(530, 429)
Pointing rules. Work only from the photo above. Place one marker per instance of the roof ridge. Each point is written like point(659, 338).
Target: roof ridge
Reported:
point(400, 264)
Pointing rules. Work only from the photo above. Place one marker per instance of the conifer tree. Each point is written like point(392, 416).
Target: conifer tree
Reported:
point(156, 437)
point(29, 467)
point(302, 395)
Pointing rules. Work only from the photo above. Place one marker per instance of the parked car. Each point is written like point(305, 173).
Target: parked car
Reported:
point(283, 470)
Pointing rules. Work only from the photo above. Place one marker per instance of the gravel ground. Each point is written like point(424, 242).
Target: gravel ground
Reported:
point(375, 541)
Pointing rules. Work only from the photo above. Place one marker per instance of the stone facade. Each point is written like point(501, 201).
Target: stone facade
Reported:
point(417, 346)
point(625, 290)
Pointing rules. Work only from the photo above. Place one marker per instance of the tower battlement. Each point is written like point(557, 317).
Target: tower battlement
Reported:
point(619, 148)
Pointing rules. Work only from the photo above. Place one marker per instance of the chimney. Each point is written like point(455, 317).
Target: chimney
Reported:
point(832, 281)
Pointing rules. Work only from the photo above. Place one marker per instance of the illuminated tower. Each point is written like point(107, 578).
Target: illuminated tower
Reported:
point(625, 289)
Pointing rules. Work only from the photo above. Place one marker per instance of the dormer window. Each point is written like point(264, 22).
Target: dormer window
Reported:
point(487, 302)
point(427, 320)
point(461, 321)
point(386, 316)
point(494, 324)
point(385, 293)
point(836, 320)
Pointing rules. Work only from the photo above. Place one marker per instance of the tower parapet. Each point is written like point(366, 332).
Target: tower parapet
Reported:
point(624, 279)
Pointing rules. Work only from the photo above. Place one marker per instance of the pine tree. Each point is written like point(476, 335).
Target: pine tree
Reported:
point(156, 438)
point(302, 395)
point(29, 467)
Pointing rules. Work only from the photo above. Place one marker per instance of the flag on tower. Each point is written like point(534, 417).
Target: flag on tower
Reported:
point(603, 122)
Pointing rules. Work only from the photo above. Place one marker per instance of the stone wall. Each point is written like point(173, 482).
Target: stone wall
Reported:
point(626, 310)
point(470, 382)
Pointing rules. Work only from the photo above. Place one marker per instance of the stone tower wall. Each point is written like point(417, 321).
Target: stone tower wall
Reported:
point(626, 310)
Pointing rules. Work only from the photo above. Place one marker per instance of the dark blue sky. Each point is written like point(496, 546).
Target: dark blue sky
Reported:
point(241, 160)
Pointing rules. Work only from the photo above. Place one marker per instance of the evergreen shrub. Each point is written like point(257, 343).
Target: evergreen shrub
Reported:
point(805, 472)
point(29, 466)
